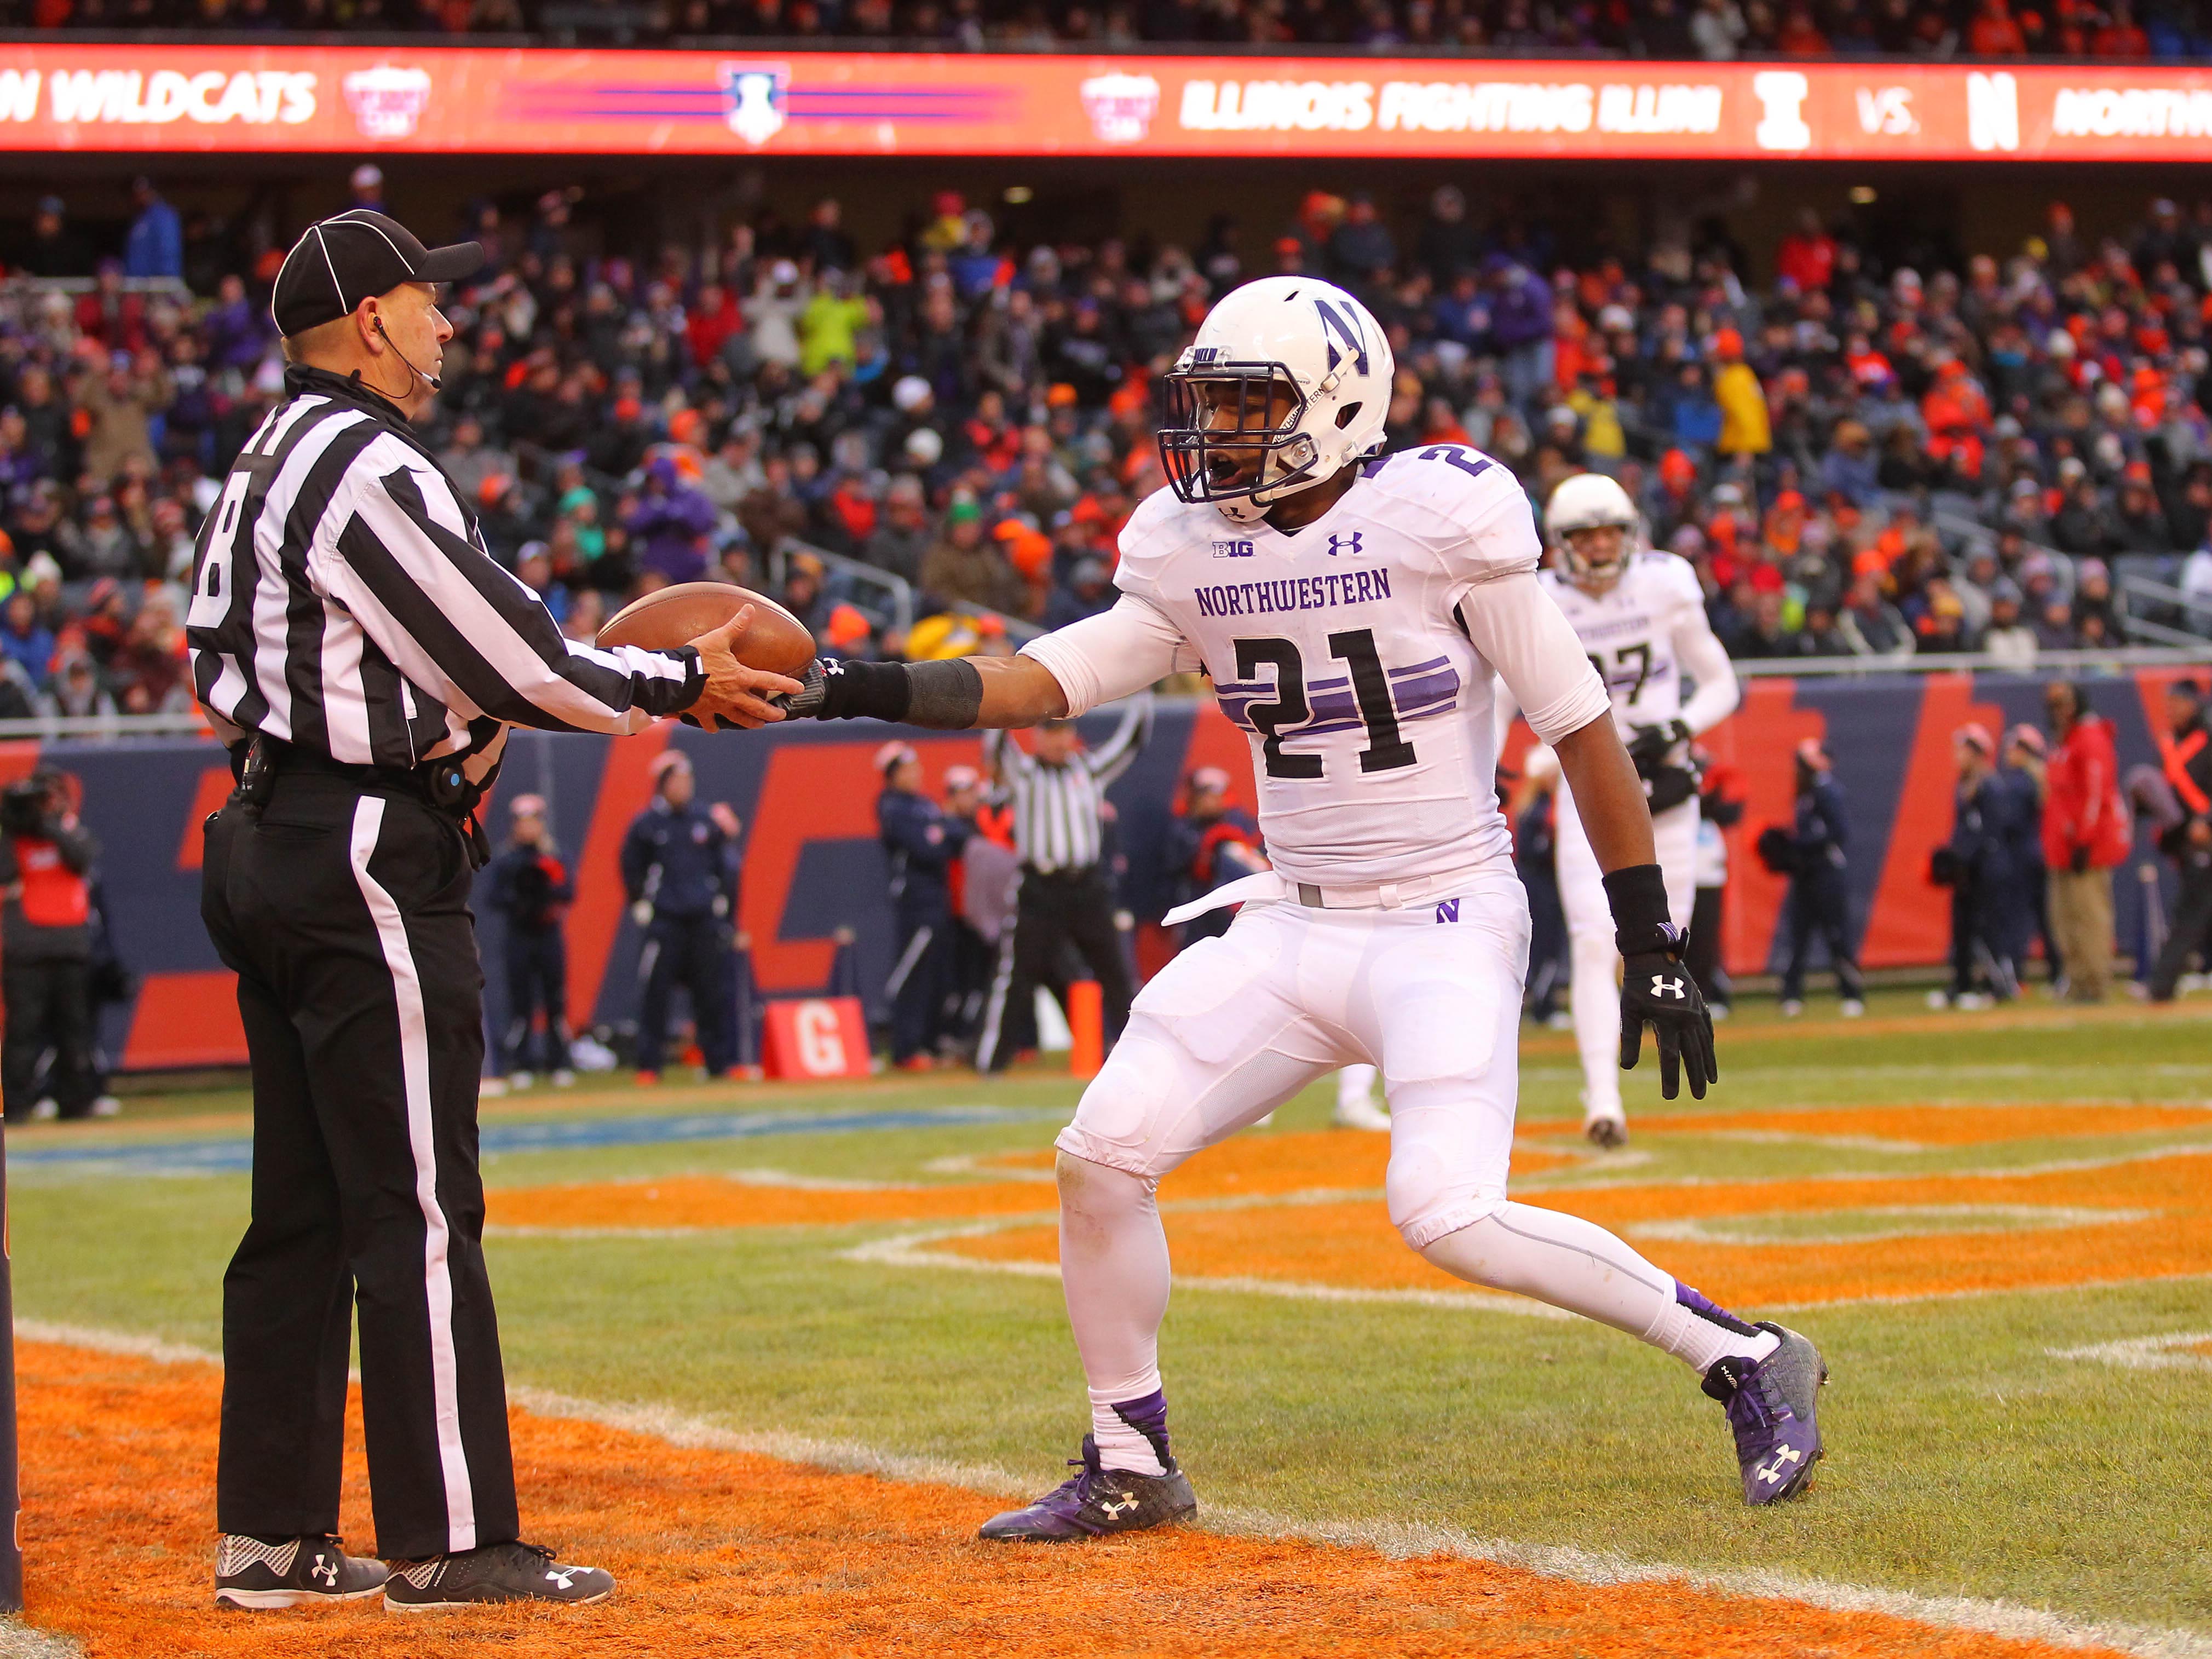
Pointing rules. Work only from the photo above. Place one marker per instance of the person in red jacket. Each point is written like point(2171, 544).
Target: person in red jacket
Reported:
point(2085, 834)
point(45, 940)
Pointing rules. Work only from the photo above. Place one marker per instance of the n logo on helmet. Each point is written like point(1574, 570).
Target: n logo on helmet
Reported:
point(1337, 322)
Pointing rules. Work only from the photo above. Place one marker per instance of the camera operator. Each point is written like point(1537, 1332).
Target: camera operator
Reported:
point(46, 946)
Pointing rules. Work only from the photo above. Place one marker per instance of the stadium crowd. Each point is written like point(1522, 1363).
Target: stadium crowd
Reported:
point(1860, 459)
point(1677, 29)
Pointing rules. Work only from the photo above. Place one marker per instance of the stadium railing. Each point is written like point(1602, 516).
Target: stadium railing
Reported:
point(167, 287)
point(2194, 654)
point(884, 598)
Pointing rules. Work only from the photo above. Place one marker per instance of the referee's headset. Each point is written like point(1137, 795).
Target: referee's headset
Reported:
point(431, 380)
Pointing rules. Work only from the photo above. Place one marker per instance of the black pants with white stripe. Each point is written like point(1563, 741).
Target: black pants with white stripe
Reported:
point(345, 915)
point(1053, 911)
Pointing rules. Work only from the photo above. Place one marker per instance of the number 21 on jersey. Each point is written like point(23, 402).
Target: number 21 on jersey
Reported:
point(1386, 750)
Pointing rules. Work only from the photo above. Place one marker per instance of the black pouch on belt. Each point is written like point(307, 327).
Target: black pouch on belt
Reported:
point(256, 774)
point(447, 788)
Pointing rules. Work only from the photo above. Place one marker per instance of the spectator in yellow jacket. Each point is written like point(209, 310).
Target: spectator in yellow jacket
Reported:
point(1744, 427)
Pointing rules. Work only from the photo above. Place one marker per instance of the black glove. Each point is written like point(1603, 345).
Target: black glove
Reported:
point(1648, 745)
point(806, 704)
point(1775, 851)
point(1943, 867)
point(1656, 989)
point(2079, 864)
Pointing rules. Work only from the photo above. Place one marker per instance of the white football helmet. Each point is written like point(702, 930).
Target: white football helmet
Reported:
point(1294, 335)
point(1590, 501)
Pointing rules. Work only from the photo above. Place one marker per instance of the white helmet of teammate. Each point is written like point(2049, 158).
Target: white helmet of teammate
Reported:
point(1288, 380)
point(1590, 501)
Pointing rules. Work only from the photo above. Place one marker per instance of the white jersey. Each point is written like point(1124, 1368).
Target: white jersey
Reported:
point(1637, 633)
point(1357, 654)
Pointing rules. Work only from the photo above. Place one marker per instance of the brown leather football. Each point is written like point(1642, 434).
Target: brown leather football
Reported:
point(669, 617)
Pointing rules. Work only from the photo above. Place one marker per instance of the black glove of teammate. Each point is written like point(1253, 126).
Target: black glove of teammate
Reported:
point(1656, 989)
point(1649, 746)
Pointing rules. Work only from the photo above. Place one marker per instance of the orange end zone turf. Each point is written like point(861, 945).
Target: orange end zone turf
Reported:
point(720, 1553)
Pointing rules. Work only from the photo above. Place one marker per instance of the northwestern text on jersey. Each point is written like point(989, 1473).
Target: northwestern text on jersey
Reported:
point(1292, 594)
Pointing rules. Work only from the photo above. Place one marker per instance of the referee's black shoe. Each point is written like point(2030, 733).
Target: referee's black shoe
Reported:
point(252, 1572)
point(494, 1572)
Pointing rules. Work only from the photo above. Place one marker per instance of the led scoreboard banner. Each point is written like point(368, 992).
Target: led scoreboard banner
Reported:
point(459, 100)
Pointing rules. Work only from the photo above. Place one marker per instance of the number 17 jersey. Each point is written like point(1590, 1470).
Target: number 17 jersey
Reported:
point(1356, 656)
point(1631, 633)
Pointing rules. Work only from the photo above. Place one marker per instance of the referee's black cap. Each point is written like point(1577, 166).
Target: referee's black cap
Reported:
point(343, 260)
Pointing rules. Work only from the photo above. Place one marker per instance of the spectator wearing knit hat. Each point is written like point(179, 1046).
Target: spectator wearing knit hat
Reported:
point(1991, 914)
point(964, 566)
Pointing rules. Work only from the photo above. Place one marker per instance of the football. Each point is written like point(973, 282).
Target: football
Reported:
point(669, 617)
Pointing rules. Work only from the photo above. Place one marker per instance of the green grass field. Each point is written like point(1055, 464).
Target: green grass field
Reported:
point(1969, 1454)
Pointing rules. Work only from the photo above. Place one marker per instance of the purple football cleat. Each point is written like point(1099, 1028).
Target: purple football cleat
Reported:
point(1772, 1406)
point(1097, 1500)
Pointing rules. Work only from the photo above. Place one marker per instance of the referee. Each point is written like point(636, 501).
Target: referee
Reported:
point(351, 636)
point(1063, 896)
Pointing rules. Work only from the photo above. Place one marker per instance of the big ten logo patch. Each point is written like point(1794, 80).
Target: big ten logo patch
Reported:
point(1232, 550)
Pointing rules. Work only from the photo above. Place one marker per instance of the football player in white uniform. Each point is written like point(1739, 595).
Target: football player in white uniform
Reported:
point(1641, 615)
point(1356, 614)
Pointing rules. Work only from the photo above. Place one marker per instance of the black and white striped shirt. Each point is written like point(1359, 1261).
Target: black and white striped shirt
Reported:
point(342, 600)
point(1057, 809)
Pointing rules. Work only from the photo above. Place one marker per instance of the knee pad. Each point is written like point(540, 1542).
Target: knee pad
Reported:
point(1447, 1162)
point(1097, 1192)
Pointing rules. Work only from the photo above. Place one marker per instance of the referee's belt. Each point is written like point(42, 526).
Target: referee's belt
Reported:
point(440, 784)
point(429, 782)
point(1066, 872)
point(1269, 886)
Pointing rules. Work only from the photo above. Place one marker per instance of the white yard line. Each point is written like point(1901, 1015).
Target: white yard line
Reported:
point(910, 1250)
point(2011, 1620)
point(2147, 1353)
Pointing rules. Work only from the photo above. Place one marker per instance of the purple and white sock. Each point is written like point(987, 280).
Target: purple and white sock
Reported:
point(1698, 1331)
point(1131, 1434)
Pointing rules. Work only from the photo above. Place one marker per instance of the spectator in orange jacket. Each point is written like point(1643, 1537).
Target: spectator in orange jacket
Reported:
point(2085, 834)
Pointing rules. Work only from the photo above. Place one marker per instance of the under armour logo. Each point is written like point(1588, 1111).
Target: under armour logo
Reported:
point(324, 1569)
point(1111, 1510)
point(1772, 1472)
point(1347, 545)
point(1448, 910)
point(1663, 987)
point(564, 1577)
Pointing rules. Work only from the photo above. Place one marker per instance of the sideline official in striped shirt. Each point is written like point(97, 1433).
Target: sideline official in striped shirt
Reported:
point(1065, 897)
point(350, 634)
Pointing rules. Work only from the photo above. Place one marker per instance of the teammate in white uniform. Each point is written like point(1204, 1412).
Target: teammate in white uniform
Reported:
point(1356, 615)
point(1641, 616)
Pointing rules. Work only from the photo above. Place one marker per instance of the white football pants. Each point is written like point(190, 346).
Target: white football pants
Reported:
point(1235, 1026)
point(1594, 989)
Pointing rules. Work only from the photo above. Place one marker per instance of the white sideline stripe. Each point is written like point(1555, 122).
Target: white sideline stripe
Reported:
point(751, 1176)
point(101, 1341)
point(2146, 1353)
point(1394, 1539)
point(437, 1270)
point(22, 1641)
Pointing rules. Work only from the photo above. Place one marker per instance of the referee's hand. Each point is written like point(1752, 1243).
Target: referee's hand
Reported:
point(734, 695)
